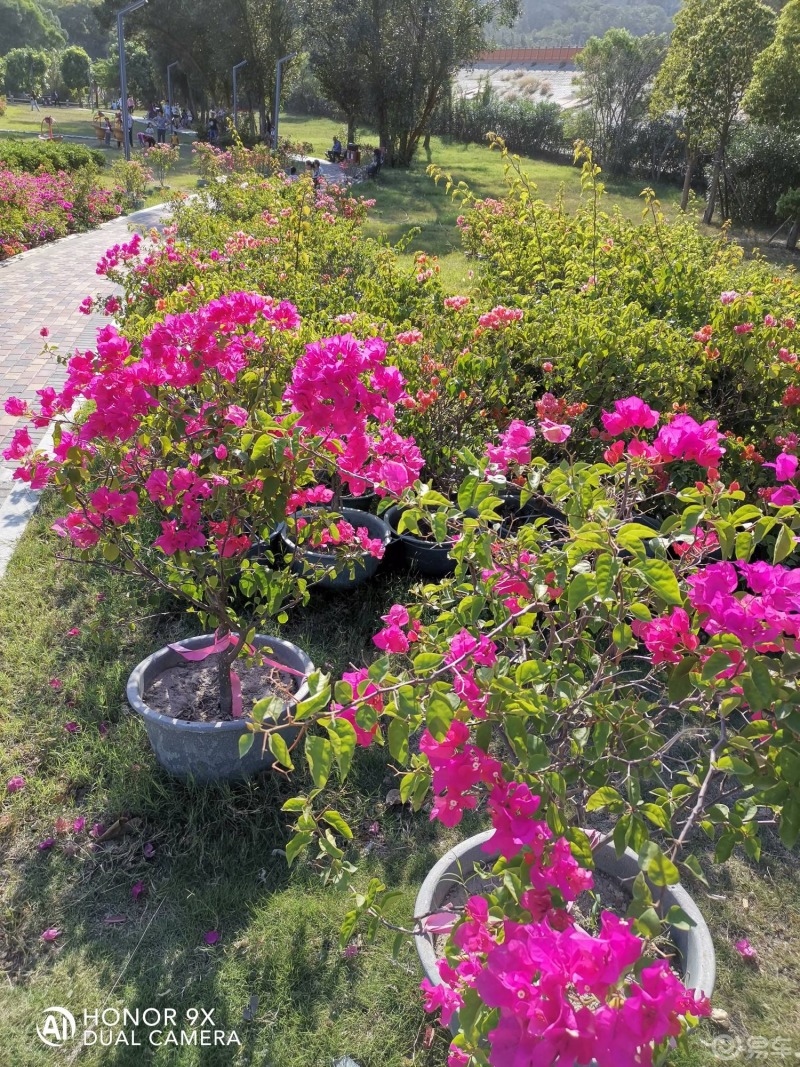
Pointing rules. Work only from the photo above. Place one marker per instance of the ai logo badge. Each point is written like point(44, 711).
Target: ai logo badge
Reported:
point(58, 1027)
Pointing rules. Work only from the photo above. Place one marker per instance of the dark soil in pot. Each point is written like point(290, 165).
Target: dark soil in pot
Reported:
point(190, 690)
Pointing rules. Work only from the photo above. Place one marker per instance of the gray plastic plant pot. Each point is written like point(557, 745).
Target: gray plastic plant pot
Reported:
point(695, 945)
point(362, 569)
point(208, 751)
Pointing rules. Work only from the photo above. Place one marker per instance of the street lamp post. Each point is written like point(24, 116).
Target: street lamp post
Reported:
point(236, 69)
point(281, 61)
point(123, 78)
point(169, 94)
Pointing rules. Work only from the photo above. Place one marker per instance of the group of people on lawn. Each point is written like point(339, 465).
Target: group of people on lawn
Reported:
point(352, 155)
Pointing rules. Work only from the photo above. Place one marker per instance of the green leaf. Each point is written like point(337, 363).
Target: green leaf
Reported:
point(678, 918)
point(262, 446)
point(605, 797)
point(758, 688)
point(427, 661)
point(345, 744)
point(716, 662)
point(581, 588)
point(679, 684)
point(648, 923)
point(294, 804)
point(334, 819)
point(280, 751)
point(660, 578)
point(319, 753)
point(783, 545)
point(790, 821)
point(398, 739)
point(656, 814)
point(440, 716)
point(298, 844)
point(606, 570)
point(692, 863)
point(659, 868)
point(246, 743)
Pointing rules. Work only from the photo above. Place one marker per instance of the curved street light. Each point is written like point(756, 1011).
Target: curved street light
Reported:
point(281, 61)
point(237, 68)
point(123, 74)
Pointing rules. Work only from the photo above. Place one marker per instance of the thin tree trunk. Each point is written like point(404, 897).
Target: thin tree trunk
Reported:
point(713, 191)
point(794, 234)
point(691, 160)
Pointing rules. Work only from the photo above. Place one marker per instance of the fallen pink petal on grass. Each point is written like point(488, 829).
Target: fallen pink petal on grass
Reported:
point(13, 785)
point(51, 934)
point(79, 824)
point(56, 683)
point(97, 830)
point(71, 727)
point(745, 949)
point(102, 729)
point(138, 889)
point(149, 850)
point(73, 632)
point(211, 937)
point(47, 843)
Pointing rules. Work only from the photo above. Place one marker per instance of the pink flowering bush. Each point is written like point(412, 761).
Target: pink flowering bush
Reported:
point(41, 207)
point(180, 455)
point(547, 685)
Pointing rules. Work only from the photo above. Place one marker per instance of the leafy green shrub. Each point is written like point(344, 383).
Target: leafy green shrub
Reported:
point(614, 306)
point(528, 127)
point(51, 156)
point(761, 163)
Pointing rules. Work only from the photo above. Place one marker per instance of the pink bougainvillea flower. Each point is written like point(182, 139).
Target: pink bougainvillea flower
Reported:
point(211, 937)
point(138, 889)
point(73, 632)
point(667, 638)
point(51, 934)
point(785, 467)
point(13, 785)
point(71, 727)
point(15, 406)
point(238, 416)
point(728, 297)
point(554, 432)
point(745, 949)
point(47, 843)
point(629, 414)
point(79, 824)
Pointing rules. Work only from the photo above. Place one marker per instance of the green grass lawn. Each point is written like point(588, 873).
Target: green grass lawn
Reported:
point(216, 863)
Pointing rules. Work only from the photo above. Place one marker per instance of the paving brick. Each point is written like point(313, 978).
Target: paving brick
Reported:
point(44, 287)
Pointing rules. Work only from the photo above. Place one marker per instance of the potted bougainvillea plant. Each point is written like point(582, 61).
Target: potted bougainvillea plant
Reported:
point(178, 457)
point(611, 697)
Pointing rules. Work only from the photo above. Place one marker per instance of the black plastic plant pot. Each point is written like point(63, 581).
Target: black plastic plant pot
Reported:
point(208, 751)
point(426, 557)
point(515, 514)
point(348, 574)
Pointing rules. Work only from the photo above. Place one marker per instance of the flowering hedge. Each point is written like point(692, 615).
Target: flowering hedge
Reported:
point(37, 208)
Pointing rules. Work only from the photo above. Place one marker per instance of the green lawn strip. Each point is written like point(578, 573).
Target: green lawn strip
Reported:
point(217, 863)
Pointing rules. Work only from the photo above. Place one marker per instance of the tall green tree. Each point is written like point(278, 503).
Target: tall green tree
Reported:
point(773, 95)
point(706, 73)
point(76, 69)
point(335, 34)
point(406, 52)
point(26, 69)
point(616, 73)
point(23, 24)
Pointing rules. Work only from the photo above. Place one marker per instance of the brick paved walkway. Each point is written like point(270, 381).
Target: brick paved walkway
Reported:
point(44, 287)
